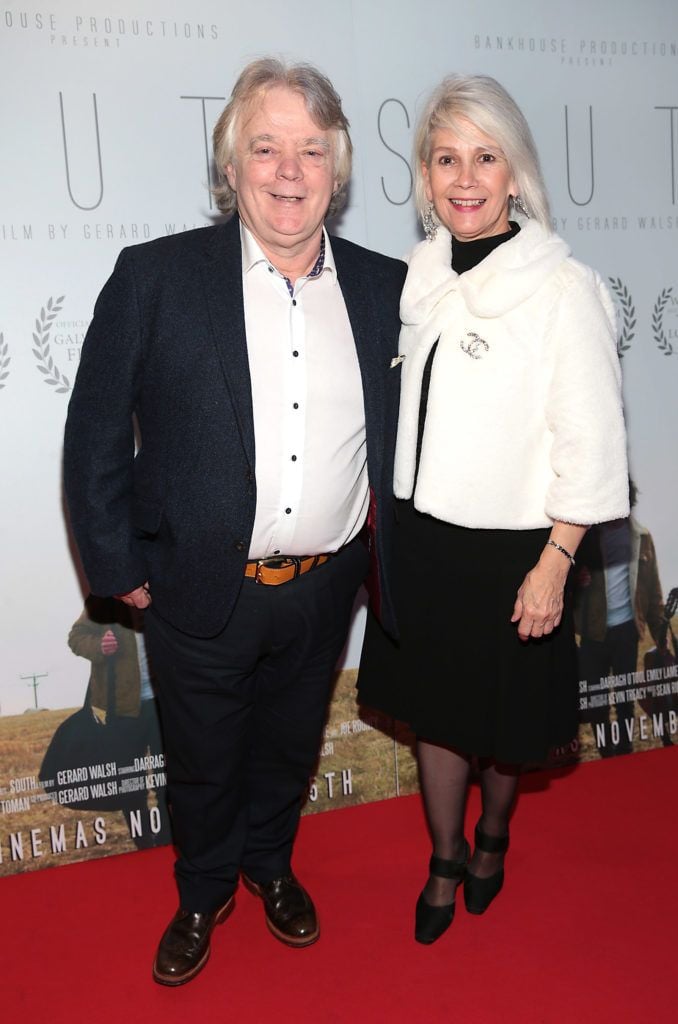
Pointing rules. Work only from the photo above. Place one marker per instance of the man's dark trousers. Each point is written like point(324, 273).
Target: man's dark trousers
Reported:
point(242, 717)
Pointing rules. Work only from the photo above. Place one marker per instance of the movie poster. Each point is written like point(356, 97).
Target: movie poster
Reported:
point(89, 781)
point(365, 755)
point(627, 652)
point(106, 116)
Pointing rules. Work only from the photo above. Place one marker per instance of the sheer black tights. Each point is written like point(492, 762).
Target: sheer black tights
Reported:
point(444, 775)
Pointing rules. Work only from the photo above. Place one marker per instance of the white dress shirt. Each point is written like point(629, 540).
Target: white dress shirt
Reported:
point(309, 414)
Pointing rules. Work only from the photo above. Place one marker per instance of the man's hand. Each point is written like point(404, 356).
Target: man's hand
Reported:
point(109, 642)
point(138, 598)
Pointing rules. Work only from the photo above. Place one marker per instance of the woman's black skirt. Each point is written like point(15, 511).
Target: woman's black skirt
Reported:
point(460, 675)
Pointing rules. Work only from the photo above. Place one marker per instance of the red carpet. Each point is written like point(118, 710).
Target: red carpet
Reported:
point(583, 931)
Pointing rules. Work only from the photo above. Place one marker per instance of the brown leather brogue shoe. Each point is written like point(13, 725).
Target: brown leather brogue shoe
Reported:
point(185, 946)
point(290, 914)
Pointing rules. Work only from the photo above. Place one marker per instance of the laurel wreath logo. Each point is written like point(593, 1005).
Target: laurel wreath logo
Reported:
point(663, 342)
point(46, 365)
point(628, 312)
point(4, 360)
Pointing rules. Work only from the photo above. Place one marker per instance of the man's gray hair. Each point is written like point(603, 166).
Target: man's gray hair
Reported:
point(485, 103)
point(322, 103)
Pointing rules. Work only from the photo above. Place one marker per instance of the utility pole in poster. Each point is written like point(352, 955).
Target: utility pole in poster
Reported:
point(35, 684)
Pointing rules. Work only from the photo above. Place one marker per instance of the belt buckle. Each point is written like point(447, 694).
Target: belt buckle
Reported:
point(276, 562)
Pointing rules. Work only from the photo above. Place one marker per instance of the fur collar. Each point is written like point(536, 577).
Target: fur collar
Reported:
point(508, 276)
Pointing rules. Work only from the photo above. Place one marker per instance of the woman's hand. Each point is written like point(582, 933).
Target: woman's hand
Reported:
point(539, 604)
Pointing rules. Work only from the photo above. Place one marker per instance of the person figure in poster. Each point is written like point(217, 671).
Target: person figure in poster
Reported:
point(264, 334)
point(618, 600)
point(109, 634)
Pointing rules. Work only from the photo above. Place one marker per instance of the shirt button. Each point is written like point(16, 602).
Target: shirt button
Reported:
point(287, 511)
point(277, 551)
point(295, 353)
point(295, 405)
point(270, 270)
point(294, 458)
point(294, 302)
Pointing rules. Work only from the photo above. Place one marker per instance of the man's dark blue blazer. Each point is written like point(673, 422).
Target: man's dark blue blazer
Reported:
point(167, 342)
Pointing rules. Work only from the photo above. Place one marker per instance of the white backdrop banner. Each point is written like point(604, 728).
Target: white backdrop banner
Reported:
point(106, 114)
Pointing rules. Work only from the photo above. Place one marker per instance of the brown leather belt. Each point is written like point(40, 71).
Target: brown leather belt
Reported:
point(276, 570)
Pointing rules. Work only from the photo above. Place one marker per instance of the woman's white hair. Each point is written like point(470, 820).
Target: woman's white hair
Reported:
point(322, 103)
point(484, 103)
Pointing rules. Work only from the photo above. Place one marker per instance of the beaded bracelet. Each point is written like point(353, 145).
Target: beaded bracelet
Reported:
point(560, 547)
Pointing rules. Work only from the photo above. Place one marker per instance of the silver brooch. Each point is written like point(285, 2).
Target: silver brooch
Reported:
point(471, 347)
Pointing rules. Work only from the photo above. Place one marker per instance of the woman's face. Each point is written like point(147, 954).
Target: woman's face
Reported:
point(469, 183)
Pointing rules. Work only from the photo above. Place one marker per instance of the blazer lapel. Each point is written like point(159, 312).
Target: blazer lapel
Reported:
point(222, 280)
point(359, 298)
point(363, 312)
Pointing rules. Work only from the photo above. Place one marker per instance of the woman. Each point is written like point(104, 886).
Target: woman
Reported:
point(510, 443)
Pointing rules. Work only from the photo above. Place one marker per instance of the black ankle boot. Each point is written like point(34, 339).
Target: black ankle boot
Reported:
point(430, 921)
point(479, 892)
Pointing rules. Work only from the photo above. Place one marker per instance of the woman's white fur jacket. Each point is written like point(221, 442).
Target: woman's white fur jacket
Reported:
point(524, 422)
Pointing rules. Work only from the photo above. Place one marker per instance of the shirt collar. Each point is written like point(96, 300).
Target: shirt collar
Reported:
point(253, 254)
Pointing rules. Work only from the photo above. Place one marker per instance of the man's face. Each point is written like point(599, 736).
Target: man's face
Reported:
point(283, 173)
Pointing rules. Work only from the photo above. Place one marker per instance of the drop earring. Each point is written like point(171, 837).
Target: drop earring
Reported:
point(519, 205)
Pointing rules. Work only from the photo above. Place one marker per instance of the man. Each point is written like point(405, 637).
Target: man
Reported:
point(261, 335)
